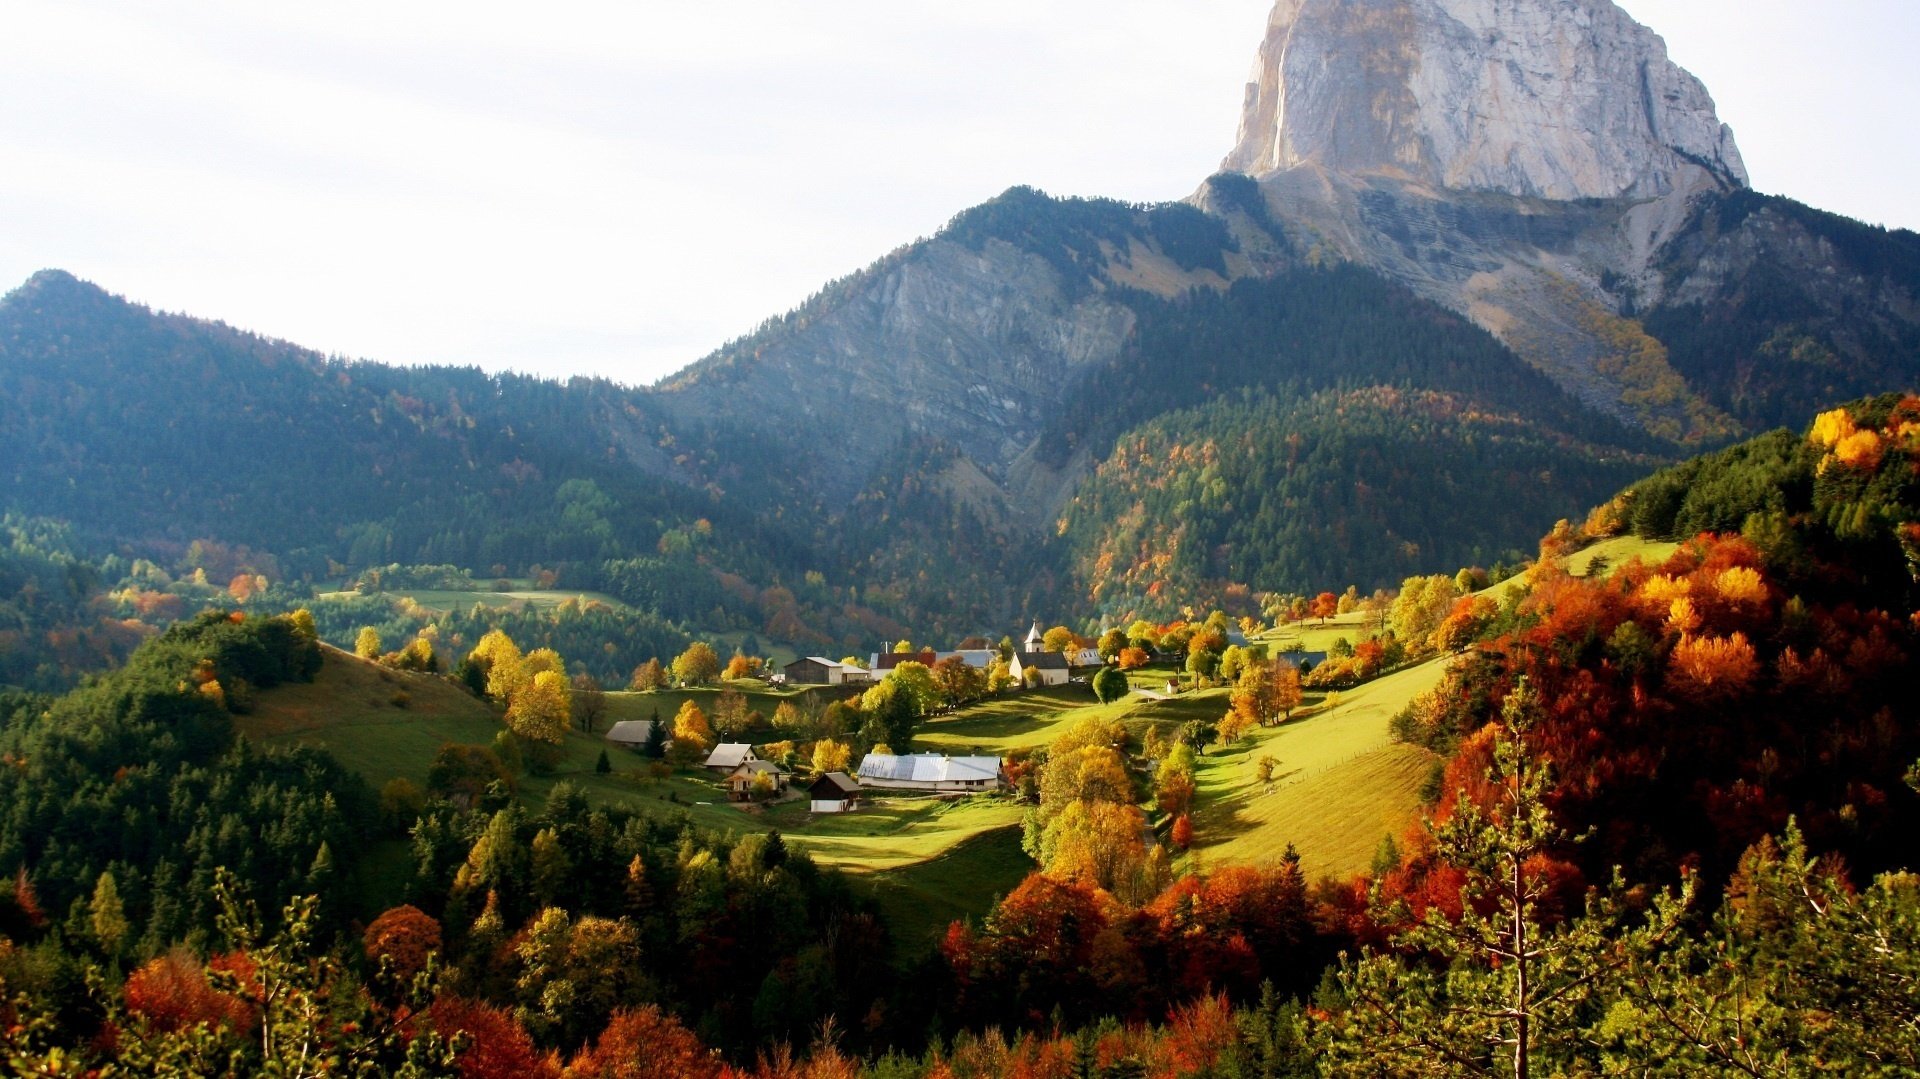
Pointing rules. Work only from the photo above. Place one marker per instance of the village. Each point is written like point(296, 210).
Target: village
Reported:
point(743, 774)
point(1040, 661)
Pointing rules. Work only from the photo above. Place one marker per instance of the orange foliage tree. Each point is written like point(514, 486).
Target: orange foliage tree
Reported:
point(405, 936)
point(644, 1043)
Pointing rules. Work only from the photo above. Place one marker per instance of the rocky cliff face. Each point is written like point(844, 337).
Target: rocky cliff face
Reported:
point(1557, 99)
point(1523, 162)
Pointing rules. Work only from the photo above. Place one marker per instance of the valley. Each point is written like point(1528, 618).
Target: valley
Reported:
point(1440, 599)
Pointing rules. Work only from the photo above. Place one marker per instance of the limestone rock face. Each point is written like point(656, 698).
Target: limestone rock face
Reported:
point(1555, 99)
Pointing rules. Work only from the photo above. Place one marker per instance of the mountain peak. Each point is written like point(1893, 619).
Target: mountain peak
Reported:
point(1558, 99)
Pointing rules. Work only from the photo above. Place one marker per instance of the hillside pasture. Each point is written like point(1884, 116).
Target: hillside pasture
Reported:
point(1309, 635)
point(1341, 784)
point(349, 711)
point(1618, 551)
point(920, 900)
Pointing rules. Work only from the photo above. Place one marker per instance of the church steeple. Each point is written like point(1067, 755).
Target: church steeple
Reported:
point(1033, 637)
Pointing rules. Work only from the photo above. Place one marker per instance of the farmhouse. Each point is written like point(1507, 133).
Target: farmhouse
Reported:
point(932, 772)
point(729, 755)
point(631, 733)
point(820, 671)
point(885, 662)
point(740, 780)
point(835, 792)
point(1051, 667)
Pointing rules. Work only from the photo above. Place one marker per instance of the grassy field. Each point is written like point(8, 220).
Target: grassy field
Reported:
point(1311, 636)
point(1618, 551)
point(1023, 720)
point(922, 899)
point(1342, 783)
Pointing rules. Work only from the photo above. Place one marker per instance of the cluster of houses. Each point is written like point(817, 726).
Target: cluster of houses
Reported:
point(736, 765)
point(1051, 668)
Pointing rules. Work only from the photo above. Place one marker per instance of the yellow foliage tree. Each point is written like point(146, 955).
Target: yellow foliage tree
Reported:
point(690, 728)
point(831, 756)
point(1740, 585)
point(1713, 666)
point(1096, 843)
point(541, 710)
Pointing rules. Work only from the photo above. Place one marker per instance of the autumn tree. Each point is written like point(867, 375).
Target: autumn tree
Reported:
point(1086, 826)
point(691, 729)
point(543, 709)
point(958, 681)
point(741, 666)
point(503, 664)
point(647, 677)
point(404, 936)
point(367, 645)
point(1509, 982)
point(1111, 643)
point(729, 714)
point(589, 702)
point(697, 666)
point(1420, 607)
point(1324, 606)
point(1265, 693)
point(831, 756)
point(644, 1043)
point(1133, 658)
point(1058, 639)
point(1109, 685)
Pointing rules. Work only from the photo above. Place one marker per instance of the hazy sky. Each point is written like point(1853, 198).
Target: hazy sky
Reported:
point(616, 188)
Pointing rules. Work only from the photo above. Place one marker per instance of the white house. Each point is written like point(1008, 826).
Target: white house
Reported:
point(1051, 667)
point(931, 772)
point(729, 755)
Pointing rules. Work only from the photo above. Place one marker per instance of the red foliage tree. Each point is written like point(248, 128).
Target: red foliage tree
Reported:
point(1182, 833)
point(644, 1043)
point(498, 1047)
point(171, 993)
point(406, 935)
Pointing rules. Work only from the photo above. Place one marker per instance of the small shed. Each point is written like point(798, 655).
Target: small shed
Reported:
point(740, 780)
point(835, 792)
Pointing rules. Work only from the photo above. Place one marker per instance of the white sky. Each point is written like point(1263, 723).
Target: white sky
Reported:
point(616, 188)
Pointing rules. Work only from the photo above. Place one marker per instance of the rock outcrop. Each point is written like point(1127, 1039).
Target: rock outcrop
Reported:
point(1556, 99)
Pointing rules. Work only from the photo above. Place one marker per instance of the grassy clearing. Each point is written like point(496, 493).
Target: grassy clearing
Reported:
point(1341, 784)
point(1022, 720)
point(1619, 551)
point(350, 709)
point(889, 833)
point(1311, 636)
point(921, 900)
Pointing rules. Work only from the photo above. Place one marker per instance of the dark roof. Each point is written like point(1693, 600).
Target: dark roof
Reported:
point(1048, 661)
point(834, 785)
point(889, 660)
